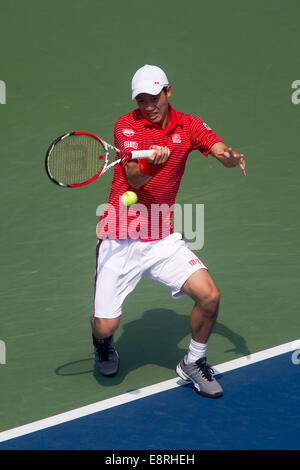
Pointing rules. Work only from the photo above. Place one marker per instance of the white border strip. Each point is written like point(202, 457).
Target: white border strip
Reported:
point(142, 393)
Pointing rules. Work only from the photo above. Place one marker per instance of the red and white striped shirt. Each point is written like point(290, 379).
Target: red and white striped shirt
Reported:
point(150, 218)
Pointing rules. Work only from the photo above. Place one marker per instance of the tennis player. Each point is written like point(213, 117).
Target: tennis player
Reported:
point(143, 245)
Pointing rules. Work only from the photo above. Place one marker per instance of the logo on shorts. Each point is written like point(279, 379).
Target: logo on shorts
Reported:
point(130, 144)
point(128, 132)
point(176, 139)
point(194, 261)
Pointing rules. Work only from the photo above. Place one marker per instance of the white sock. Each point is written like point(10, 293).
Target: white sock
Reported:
point(196, 351)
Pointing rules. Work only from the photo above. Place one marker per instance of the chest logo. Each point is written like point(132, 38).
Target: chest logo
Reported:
point(128, 132)
point(176, 139)
point(130, 144)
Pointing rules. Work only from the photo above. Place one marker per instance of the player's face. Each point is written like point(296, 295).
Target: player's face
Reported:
point(155, 107)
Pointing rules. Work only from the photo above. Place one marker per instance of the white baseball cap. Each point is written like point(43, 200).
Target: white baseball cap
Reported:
point(148, 79)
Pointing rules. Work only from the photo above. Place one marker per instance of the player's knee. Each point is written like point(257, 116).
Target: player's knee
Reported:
point(209, 302)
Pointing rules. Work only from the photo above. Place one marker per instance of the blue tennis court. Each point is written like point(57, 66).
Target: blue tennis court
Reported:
point(259, 410)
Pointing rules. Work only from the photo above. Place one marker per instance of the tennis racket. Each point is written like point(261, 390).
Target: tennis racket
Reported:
point(79, 158)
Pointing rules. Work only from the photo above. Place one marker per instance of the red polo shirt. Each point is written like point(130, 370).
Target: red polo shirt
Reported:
point(150, 218)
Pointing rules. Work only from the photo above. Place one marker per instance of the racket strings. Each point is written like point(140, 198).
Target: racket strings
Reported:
point(75, 159)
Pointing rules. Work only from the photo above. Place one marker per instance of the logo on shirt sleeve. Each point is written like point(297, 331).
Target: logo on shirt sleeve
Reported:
point(207, 126)
point(128, 132)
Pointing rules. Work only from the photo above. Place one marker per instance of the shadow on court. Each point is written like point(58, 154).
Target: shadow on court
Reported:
point(153, 339)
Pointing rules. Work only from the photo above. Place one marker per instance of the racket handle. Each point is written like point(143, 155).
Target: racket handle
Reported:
point(142, 154)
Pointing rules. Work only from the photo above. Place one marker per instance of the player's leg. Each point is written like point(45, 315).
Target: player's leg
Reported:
point(106, 357)
point(115, 278)
point(176, 266)
point(202, 289)
point(104, 327)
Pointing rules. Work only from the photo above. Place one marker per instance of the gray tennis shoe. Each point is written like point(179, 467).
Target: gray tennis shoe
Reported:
point(106, 356)
point(202, 376)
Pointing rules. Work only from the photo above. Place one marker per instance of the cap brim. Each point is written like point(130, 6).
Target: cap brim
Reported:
point(147, 88)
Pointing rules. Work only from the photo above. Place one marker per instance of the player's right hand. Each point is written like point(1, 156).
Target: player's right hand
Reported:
point(160, 155)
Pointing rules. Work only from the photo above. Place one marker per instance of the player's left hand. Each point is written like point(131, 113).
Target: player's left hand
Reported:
point(235, 158)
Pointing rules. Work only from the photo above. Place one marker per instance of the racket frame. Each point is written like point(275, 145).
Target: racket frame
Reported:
point(107, 147)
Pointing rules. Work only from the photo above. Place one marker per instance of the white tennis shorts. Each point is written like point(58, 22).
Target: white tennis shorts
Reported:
point(122, 263)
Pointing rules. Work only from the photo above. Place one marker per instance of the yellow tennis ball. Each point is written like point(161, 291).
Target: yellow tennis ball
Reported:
point(129, 198)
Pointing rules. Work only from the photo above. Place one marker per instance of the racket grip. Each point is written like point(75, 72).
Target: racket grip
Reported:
point(142, 154)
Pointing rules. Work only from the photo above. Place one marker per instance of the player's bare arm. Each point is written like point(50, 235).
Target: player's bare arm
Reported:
point(228, 156)
point(135, 177)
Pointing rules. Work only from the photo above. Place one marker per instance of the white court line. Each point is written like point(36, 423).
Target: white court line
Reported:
point(142, 393)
